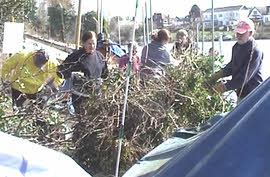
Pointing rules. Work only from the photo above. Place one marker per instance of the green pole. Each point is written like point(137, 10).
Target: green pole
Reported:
point(119, 29)
point(213, 30)
point(128, 71)
point(144, 29)
point(151, 17)
point(146, 22)
point(101, 16)
point(98, 18)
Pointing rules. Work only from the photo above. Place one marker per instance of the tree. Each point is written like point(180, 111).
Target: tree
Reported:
point(194, 13)
point(126, 33)
point(114, 23)
point(40, 22)
point(66, 4)
point(89, 21)
point(114, 27)
point(19, 9)
point(54, 14)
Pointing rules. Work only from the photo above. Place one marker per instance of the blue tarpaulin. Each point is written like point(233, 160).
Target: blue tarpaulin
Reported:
point(238, 145)
point(116, 48)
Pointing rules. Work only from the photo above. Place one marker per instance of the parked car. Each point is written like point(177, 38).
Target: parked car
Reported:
point(227, 37)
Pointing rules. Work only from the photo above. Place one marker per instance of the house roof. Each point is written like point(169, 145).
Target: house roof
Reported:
point(229, 8)
point(255, 8)
point(262, 10)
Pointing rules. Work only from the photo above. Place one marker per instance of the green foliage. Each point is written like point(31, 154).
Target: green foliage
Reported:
point(55, 20)
point(21, 10)
point(89, 22)
point(155, 109)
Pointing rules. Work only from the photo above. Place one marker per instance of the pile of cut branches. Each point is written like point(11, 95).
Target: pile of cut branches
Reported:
point(155, 109)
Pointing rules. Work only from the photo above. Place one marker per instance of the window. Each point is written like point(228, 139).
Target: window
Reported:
point(220, 15)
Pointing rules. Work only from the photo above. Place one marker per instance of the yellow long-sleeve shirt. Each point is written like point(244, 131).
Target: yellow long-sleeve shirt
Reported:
point(25, 76)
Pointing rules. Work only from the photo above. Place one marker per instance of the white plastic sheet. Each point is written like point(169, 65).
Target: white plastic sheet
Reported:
point(13, 37)
point(21, 158)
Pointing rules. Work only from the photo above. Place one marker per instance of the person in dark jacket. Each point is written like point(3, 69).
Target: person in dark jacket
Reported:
point(88, 61)
point(245, 66)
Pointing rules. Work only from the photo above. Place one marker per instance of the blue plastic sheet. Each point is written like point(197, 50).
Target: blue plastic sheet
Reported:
point(237, 145)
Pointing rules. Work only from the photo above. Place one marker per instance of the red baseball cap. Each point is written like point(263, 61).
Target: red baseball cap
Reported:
point(244, 25)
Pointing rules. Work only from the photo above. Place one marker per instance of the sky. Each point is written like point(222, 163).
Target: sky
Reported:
point(174, 8)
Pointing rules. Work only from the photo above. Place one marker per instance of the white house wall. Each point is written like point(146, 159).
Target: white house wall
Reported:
point(226, 17)
point(266, 18)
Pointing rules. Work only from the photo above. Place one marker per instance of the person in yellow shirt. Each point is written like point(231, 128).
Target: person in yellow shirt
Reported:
point(28, 73)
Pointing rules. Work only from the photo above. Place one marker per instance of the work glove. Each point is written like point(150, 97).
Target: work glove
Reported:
point(217, 75)
point(219, 87)
point(211, 81)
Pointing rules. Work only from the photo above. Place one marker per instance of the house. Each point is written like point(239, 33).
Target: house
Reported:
point(181, 21)
point(260, 14)
point(225, 16)
point(161, 20)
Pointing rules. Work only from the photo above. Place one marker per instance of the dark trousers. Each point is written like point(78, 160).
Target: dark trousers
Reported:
point(77, 103)
point(18, 98)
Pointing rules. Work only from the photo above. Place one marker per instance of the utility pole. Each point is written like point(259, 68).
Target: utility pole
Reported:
point(78, 29)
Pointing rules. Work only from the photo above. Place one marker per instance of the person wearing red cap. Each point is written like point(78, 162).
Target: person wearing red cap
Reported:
point(245, 66)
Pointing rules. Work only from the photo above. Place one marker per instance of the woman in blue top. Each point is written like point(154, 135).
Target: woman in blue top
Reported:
point(155, 56)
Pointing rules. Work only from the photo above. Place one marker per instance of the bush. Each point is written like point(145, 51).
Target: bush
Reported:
point(155, 109)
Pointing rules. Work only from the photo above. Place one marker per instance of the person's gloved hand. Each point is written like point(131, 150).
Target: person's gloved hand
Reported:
point(207, 85)
point(216, 76)
point(219, 87)
point(211, 81)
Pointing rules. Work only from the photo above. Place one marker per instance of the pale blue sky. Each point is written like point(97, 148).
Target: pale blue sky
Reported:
point(173, 7)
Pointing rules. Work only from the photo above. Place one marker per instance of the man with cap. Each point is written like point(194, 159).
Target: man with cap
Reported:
point(245, 66)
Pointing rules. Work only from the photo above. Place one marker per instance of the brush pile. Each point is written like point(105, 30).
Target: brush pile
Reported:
point(156, 107)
